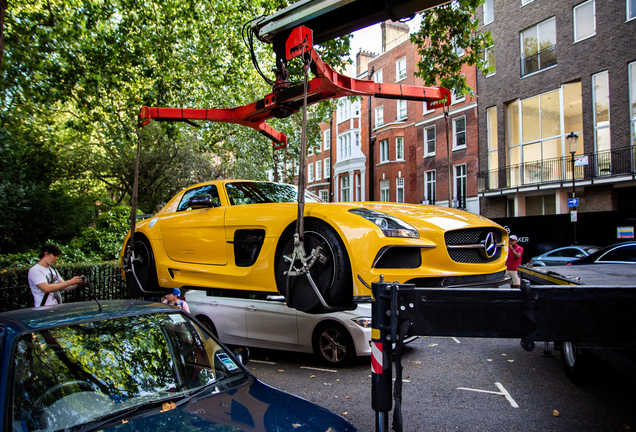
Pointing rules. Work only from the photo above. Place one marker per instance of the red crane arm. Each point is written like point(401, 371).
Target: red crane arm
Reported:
point(286, 99)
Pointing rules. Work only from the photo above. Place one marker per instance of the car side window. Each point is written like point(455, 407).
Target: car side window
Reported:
point(570, 253)
point(207, 189)
point(625, 253)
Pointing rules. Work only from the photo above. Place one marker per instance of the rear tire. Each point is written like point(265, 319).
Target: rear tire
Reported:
point(145, 270)
point(576, 366)
point(333, 344)
point(332, 275)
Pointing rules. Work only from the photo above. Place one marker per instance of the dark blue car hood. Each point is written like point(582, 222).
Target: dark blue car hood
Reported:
point(253, 406)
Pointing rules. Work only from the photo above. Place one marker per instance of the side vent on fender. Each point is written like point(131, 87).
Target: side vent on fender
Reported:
point(247, 246)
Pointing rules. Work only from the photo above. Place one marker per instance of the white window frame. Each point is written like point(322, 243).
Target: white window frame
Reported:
point(430, 186)
point(384, 151)
point(525, 2)
point(601, 128)
point(455, 133)
point(488, 53)
point(455, 98)
point(399, 148)
point(428, 153)
point(318, 170)
point(385, 190)
point(578, 8)
point(401, 109)
point(399, 190)
point(427, 111)
point(327, 166)
point(378, 76)
point(310, 172)
point(345, 188)
point(379, 116)
point(400, 69)
point(347, 109)
point(489, 13)
point(460, 180)
point(327, 139)
point(632, 99)
point(324, 194)
point(358, 186)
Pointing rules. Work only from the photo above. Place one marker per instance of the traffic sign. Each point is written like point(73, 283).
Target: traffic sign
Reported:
point(573, 202)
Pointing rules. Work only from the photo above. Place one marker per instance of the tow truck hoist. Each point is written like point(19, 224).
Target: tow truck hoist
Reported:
point(532, 313)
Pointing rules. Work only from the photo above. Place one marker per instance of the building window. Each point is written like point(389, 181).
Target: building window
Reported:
point(489, 56)
point(400, 69)
point(345, 149)
point(600, 95)
point(429, 141)
point(538, 47)
point(399, 148)
point(460, 186)
point(399, 189)
point(324, 194)
point(310, 172)
point(536, 130)
point(384, 191)
point(327, 169)
point(632, 99)
point(429, 187)
point(493, 148)
point(458, 50)
point(327, 139)
point(456, 98)
point(540, 205)
point(525, 2)
point(384, 150)
point(401, 109)
point(345, 188)
point(489, 13)
point(584, 20)
point(318, 170)
point(631, 9)
point(347, 109)
point(379, 116)
point(378, 76)
point(427, 111)
point(459, 133)
point(358, 178)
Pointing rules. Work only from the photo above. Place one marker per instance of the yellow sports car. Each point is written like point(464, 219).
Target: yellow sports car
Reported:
point(240, 235)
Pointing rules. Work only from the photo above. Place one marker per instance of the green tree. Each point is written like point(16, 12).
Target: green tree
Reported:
point(447, 40)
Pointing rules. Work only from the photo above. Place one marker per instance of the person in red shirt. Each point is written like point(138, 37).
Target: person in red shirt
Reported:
point(514, 260)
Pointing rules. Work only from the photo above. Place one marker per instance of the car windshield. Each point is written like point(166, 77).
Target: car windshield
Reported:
point(67, 376)
point(244, 192)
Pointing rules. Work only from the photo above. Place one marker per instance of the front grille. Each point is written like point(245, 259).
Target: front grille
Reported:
point(469, 245)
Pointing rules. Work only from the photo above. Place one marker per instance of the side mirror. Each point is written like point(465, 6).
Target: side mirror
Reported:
point(201, 201)
point(242, 354)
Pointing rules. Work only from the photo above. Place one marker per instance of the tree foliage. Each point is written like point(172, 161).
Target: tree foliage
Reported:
point(74, 76)
point(446, 32)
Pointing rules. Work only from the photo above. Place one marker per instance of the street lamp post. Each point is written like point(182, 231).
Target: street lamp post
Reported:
point(572, 140)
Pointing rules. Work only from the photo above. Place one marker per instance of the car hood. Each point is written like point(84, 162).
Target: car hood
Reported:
point(253, 406)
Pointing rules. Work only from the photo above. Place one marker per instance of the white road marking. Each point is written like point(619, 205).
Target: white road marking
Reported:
point(319, 369)
point(262, 361)
point(455, 339)
point(502, 392)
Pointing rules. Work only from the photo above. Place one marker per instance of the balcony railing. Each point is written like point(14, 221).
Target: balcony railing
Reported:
point(600, 164)
point(543, 59)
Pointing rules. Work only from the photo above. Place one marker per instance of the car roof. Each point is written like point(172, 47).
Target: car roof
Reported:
point(51, 316)
point(594, 256)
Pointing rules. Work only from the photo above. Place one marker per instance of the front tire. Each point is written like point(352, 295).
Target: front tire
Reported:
point(146, 283)
point(332, 274)
point(333, 345)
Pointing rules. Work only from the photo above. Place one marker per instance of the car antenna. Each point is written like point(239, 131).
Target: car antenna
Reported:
point(101, 309)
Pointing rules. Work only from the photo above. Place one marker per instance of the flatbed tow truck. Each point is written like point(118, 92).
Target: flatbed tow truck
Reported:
point(560, 313)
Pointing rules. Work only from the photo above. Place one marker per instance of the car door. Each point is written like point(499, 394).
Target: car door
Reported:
point(271, 322)
point(196, 235)
point(226, 312)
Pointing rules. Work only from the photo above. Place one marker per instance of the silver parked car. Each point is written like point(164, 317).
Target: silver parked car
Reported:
point(264, 321)
point(562, 255)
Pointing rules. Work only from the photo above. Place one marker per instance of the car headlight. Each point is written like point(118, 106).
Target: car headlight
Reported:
point(390, 225)
point(364, 322)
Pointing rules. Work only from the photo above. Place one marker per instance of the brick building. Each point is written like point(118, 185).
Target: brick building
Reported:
point(560, 67)
point(396, 150)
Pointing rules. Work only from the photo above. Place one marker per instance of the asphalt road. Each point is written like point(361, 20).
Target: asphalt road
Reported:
point(463, 384)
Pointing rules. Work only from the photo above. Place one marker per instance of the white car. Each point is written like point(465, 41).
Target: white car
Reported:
point(248, 318)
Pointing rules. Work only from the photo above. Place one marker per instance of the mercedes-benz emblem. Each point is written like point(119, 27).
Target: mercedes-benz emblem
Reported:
point(490, 245)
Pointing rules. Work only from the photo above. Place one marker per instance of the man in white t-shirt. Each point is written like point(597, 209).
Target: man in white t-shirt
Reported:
point(45, 282)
